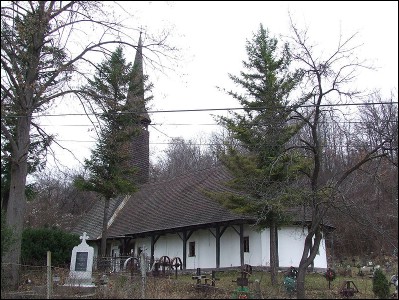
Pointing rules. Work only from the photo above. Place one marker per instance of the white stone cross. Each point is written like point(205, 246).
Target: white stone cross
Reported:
point(84, 237)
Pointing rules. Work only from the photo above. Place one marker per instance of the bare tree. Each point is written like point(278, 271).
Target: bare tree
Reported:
point(369, 196)
point(46, 48)
point(379, 124)
point(327, 82)
point(182, 157)
point(56, 202)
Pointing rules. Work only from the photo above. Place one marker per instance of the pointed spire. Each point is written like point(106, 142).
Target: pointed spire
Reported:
point(138, 146)
point(138, 60)
point(135, 96)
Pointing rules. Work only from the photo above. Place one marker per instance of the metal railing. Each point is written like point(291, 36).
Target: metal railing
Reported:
point(115, 264)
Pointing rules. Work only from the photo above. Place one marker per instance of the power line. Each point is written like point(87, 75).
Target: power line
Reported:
point(214, 144)
point(207, 109)
point(152, 124)
point(206, 124)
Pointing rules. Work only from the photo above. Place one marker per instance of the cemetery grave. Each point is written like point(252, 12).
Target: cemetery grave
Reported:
point(177, 283)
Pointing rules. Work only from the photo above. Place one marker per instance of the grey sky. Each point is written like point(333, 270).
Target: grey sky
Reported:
point(212, 38)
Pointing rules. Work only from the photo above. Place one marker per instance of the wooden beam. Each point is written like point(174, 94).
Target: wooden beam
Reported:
point(185, 238)
point(217, 246)
point(178, 233)
point(154, 239)
point(242, 244)
point(235, 229)
point(190, 234)
point(184, 249)
point(218, 235)
point(210, 230)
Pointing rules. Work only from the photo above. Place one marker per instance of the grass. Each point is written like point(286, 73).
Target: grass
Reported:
point(184, 287)
point(123, 286)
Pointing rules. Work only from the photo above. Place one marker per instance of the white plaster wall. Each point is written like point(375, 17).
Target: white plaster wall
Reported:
point(170, 245)
point(205, 250)
point(254, 256)
point(290, 246)
point(291, 242)
point(265, 242)
point(229, 248)
point(320, 261)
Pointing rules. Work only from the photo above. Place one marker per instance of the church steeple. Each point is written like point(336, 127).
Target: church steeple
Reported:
point(135, 96)
point(138, 147)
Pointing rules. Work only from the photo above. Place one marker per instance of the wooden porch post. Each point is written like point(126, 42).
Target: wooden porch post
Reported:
point(242, 244)
point(154, 239)
point(217, 247)
point(152, 250)
point(184, 249)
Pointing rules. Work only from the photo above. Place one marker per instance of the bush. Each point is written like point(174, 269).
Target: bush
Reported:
point(7, 240)
point(380, 285)
point(6, 235)
point(36, 243)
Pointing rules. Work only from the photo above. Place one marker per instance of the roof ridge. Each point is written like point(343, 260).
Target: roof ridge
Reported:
point(117, 210)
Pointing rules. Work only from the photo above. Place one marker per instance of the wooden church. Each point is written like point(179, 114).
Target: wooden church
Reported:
point(177, 218)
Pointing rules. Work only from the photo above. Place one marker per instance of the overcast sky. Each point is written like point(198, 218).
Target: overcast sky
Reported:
point(212, 36)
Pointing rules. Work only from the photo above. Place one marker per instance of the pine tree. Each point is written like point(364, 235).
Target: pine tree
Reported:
point(109, 172)
point(262, 167)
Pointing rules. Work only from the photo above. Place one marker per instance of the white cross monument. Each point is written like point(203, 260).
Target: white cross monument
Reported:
point(81, 264)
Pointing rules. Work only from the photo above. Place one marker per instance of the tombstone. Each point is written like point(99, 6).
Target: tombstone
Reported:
point(80, 273)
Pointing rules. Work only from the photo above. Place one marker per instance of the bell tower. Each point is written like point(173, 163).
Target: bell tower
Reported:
point(138, 148)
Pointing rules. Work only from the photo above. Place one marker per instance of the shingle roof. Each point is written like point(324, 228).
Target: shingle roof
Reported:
point(170, 204)
point(92, 222)
point(175, 203)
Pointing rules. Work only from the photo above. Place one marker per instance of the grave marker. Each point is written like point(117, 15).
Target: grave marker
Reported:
point(81, 261)
point(80, 273)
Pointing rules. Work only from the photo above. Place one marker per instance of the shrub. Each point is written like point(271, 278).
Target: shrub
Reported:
point(6, 235)
point(36, 243)
point(7, 240)
point(380, 285)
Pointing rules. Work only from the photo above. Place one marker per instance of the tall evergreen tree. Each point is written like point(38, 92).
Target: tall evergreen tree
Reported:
point(109, 172)
point(262, 167)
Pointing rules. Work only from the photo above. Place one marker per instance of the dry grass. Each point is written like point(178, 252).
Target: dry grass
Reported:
point(122, 286)
point(184, 287)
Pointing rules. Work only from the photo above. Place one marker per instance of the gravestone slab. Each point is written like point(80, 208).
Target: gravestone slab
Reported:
point(80, 273)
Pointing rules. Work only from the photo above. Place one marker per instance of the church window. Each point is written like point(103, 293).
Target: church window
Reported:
point(246, 243)
point(191, 249)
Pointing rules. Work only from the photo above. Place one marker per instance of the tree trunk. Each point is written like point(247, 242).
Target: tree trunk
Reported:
point(20, 147)
point(105, 229)
point(16, 204)
point(310, 250)
point(300, 282)
point(273, 253)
